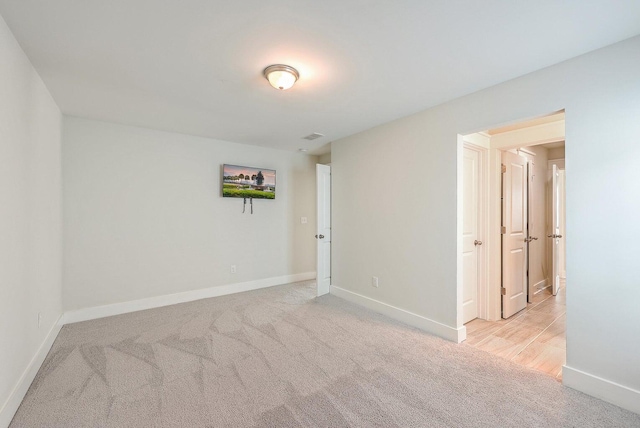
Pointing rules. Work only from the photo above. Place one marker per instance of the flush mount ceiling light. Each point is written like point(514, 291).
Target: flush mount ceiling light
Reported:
point(281, 76)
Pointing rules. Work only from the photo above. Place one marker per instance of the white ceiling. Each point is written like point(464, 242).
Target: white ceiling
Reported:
point(195, 66)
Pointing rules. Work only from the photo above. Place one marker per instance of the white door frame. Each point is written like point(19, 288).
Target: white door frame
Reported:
point(479, 143)
point(490, 291)
point(495, 262)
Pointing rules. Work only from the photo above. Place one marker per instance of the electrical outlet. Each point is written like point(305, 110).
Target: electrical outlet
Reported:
point(374, 281)
point(303, 220)
point(233, 268)
point(39, 319)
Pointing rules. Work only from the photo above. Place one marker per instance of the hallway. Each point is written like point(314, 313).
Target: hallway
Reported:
point(534, 338)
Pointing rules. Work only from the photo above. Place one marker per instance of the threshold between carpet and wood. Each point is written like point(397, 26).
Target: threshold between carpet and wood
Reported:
point(279, 357)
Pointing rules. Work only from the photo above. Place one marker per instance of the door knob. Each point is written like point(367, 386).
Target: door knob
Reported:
point(319, 236)
point(554, 236)
point(535, 238)
point(476, 242)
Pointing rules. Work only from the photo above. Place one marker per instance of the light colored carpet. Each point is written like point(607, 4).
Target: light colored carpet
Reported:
point(279, 357)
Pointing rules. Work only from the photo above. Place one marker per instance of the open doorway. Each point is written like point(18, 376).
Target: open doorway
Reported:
point(516, 217)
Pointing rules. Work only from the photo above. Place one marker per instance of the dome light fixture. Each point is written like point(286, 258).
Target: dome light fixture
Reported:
point(281, 76)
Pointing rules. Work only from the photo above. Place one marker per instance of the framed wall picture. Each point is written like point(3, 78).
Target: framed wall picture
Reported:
point(248, 182)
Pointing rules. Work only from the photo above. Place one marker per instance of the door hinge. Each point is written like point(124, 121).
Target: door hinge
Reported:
point(503, 230)
point(503, 291)
point(504, 168)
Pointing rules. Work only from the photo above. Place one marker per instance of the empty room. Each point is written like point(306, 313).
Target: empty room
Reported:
point(319, 214)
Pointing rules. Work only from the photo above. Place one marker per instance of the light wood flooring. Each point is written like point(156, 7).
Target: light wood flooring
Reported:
point(534, 337)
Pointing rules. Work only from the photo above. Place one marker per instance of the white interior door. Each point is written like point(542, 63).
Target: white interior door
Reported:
point(514, 233)
point(555, 229)
point(530, 228)
point(323, 236)
point(562, 268)
point(470, 236)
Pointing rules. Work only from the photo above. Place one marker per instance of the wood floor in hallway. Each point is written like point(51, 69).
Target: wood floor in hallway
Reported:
point(534, 337)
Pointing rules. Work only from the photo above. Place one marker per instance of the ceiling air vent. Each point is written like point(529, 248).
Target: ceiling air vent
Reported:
point(313, 136)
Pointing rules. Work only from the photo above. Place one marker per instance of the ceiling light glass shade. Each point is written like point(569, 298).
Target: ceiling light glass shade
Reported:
point(281, 76)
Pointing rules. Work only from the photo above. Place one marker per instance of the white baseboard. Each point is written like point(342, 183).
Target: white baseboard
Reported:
point(540, 286)
point(450, 333)
point(603, 389)
point(187, 296)
point(10, 407)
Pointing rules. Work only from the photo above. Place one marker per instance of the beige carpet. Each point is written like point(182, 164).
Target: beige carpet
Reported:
point(281, 358)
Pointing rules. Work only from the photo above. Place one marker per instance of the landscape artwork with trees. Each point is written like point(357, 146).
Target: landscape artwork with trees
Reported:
point(248, 182)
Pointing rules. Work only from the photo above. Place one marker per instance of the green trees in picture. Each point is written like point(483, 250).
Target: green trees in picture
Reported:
point(248, 182)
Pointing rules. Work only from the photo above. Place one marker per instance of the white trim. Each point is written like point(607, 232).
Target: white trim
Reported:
point(478, 139)
point(95, 312)
point(483, 219)
point(557, 162)
point(450, 333)
point(525, 151)
point(540, 286)
point(10, 406)
point(603, 389)
point(459, 228)
point(545, 133)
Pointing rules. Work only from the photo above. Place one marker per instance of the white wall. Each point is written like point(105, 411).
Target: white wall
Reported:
point(394, 189)
point(30, 221)
point(144, 215)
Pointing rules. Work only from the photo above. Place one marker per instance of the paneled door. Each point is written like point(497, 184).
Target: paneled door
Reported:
point(470, 236)
point(514, 233)
point(323, 236)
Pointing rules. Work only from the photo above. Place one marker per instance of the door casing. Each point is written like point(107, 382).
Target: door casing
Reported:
point(490, 290)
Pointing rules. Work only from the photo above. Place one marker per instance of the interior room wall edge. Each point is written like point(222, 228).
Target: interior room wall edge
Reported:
point(10, 407)
point(614, 393)
point(428, 325)
point(96, 312)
